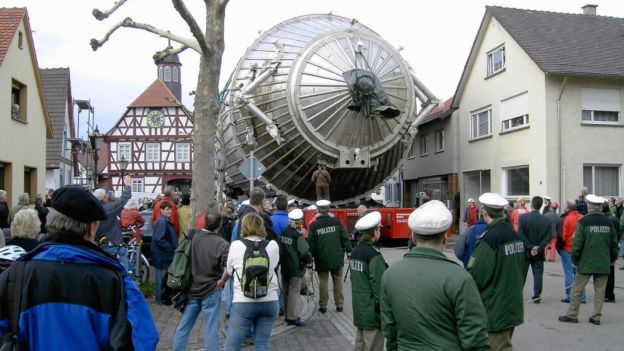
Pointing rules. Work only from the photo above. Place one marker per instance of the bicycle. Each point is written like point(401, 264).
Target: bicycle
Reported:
point(138, 265)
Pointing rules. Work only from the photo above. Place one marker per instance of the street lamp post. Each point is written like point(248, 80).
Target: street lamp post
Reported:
point(96, 139)
point(123, 165)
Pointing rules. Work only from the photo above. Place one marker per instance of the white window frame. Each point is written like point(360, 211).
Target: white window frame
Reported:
point(174, 74)
point(424, 147)
point(491, 56)
point(149, 152)
point(439, 140)
point(506, 124)
point(592, 187)
point(592, 117)
point(125, 154)
point(594, 100)
point(167, 74)
point(138, 185)
point(505, 183)
point(183, 152)
point(160, 73)
point(476, 115)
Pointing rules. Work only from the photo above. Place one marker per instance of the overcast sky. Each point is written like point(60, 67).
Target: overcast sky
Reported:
point(436, 35)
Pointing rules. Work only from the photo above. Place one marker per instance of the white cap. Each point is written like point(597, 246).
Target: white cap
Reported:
point(493, 201)
point(546, 197)
point(290, 202)
point(369, 221)
point(594, 199)
point(295, 214)
point(246, 202)
point(471, 200)
point(430, 218)
point(311, 207)
point(323, 203)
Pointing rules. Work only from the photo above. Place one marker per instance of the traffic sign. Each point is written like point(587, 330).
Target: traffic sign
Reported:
point(247, 166)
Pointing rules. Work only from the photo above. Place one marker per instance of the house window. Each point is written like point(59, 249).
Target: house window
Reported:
point(515, 112)
point(439, 140)
point(481, 124)
point(20, 40)
point(30, 181)
point(423, 145)
point(160, 73)
point(496, 60)
point(167, 74)
point(124, 151)
point(516, 181)
point(138, 185)
point(602, 180)
point(18, 101)
point(600, 106)
point(152, 152)
point(175, 74)
point(183, 152)
point(412, 150)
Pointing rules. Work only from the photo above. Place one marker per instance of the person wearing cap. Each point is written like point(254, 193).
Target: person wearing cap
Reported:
point(497, 267)
point(294, 257)
point(367, 267)
point(556, 230)
point(519, 210)
point(547, 204)
point(428, 301)
point(328, 243)
point(594, 250)
point(74, 295)
point(535, 231)
point(471, 215)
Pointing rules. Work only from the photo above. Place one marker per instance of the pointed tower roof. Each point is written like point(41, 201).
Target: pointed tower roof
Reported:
point(156, 95)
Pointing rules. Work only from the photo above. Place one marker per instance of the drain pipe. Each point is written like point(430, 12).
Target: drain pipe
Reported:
point(559, 142)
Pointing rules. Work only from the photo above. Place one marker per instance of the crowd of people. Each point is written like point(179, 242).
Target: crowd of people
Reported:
point(249, 263)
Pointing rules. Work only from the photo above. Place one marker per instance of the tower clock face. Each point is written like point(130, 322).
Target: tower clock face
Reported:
point(155, 119)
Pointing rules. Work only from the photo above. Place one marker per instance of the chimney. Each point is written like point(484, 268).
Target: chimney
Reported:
point(589, 9)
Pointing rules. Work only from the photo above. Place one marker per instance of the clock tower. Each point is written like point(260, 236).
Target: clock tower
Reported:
point(169, 71)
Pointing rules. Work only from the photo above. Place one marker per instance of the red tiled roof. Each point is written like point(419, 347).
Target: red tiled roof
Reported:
point(440, 111)
point(9, 21)
point(156, 95)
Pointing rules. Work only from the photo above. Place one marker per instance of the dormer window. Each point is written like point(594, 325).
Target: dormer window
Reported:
point(160, 73)
point(18, 101)
point(496, 60)
point(20, 40)
point(175, 74)
point(167, 74)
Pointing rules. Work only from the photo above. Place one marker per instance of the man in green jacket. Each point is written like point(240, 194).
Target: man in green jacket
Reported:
point(594, 250)
point(367, 266)
point(429, 302)
point(328, 242)
point(497, 267)
point(294, 256)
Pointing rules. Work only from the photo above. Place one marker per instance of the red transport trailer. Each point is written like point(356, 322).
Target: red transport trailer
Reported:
point(393, 220)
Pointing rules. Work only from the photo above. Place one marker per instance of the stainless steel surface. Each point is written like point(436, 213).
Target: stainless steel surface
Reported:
point(289, 90)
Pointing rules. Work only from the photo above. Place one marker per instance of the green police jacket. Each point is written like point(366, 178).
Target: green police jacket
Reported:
point(294, 253)
point(497, 266)
point(367, 265)
point(595, 244)
point(429, 302)
point(328, 242)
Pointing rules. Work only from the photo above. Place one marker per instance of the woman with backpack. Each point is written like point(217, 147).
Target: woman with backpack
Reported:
point(251, 263)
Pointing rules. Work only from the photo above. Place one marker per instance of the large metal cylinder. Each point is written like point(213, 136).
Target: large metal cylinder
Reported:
point(289, 102)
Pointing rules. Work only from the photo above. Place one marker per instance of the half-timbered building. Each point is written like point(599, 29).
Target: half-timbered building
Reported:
point(154, 137)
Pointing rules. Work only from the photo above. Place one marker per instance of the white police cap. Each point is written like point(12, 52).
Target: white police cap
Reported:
point(493, 201)
point(369, 221)
point(295, 214)
point(246, 202)
point(546, 197)
point(431, 218)
point(594, 199)
point(323, 203)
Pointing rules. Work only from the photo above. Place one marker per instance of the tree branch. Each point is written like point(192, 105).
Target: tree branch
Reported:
point(129, 23)
point(193, 26)
point(104, 15)
point(160, 55)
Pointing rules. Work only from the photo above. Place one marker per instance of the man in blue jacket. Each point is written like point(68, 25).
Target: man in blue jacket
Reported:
point(280, 217)
point(74, 295)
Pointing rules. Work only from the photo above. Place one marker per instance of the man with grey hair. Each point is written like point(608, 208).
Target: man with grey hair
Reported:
point(109, 231)
point(4, 210)
point(71, 281)
point(23, 201)
point(594, 250)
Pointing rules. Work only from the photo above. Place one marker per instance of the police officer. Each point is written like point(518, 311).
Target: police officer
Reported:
point(294, 256)
point(328, 242)
point(594, 249)
point(367, 266)
point(429, 302)
point(497, 266)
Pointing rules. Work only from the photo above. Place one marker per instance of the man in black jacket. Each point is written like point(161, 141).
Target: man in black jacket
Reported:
point(535, 231)
point(256, 197)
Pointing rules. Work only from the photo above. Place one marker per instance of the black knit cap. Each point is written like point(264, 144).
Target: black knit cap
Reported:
point(78, 203)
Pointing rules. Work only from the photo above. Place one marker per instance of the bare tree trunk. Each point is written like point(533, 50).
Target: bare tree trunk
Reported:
point(207, 111)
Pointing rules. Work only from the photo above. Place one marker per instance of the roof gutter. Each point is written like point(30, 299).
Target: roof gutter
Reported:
point(559, 142)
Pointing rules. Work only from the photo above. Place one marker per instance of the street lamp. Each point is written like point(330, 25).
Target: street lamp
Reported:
point(96, 139)
point(123, 165)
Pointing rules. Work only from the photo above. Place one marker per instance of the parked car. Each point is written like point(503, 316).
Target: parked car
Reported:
point(148, 232)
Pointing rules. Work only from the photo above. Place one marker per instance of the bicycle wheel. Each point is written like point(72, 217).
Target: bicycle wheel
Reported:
point(144, 270)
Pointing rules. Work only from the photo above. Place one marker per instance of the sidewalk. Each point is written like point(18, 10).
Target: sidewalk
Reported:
point(329, 332)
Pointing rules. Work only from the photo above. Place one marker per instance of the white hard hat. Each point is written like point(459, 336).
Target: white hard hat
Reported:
point(295, 214)
point(369, 221)
point(471, 200)
point(430, 218)
point(12, 252)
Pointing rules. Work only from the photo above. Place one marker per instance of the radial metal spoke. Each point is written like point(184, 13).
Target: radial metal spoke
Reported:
point(342, 97)
point(339, 122)
point(322, 76)
point(324, 68)
point(382, 81)
point(396, 96)
point(322, 93)
point(330, 117)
